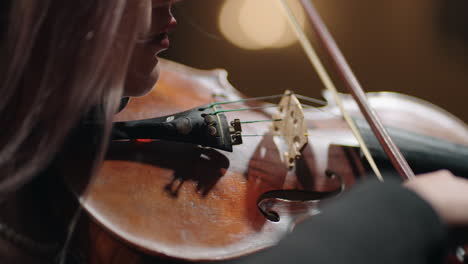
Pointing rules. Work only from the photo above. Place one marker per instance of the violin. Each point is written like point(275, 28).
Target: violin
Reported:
point(190, 202)
point(193, 203)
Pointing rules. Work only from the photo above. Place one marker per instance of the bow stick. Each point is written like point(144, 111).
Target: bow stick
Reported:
point(354, 88)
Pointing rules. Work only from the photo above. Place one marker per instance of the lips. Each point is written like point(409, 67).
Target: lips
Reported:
point(162, 40)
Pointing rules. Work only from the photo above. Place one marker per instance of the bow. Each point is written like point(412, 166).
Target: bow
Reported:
point(354, 88)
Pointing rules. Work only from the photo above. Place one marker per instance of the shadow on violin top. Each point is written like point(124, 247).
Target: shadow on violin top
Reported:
point(204, 166)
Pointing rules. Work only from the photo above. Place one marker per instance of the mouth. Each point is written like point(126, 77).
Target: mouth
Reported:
point(161, 40)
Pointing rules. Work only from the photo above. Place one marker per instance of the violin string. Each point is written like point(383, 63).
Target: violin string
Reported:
point(272, 134)
point(305, 106)
point(259, 121)
point(248, 99)
point(255, 108)
point(275, 120)
point(303, 97)
point(242, 109)
point(310, 99)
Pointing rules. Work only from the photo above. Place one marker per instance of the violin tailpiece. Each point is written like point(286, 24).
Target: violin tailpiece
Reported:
point(204, 125)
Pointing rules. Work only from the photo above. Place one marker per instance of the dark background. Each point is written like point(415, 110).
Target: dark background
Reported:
point(416, 47)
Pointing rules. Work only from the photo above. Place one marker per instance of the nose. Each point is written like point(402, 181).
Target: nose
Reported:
point(171, 25)
point(163, 19)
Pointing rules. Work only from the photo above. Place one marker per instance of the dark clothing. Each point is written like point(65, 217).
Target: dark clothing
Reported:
point(373, 223)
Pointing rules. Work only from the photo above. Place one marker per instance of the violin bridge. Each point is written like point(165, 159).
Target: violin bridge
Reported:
point(291, 127)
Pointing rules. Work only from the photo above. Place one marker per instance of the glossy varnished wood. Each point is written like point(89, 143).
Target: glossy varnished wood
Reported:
point(194, 203)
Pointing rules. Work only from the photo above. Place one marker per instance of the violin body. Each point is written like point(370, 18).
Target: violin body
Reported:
point(195, 203)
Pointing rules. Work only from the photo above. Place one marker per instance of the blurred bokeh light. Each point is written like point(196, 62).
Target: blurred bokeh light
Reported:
point(257, 24)
point(413, 47)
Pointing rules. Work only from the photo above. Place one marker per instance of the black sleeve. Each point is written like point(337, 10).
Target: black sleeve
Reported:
point(373, 223)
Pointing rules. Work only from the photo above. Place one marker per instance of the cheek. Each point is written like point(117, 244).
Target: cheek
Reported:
point(143, 72)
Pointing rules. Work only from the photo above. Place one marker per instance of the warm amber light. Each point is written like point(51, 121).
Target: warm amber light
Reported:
point(257, 24)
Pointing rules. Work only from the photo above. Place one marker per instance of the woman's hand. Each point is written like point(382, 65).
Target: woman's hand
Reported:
point(447, 194)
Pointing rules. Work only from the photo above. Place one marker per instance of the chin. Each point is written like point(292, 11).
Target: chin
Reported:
point(140, 85)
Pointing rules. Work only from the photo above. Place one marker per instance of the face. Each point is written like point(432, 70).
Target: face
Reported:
point(143, 70)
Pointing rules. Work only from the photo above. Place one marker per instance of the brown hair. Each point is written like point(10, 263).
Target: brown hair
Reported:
point(58, 60)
